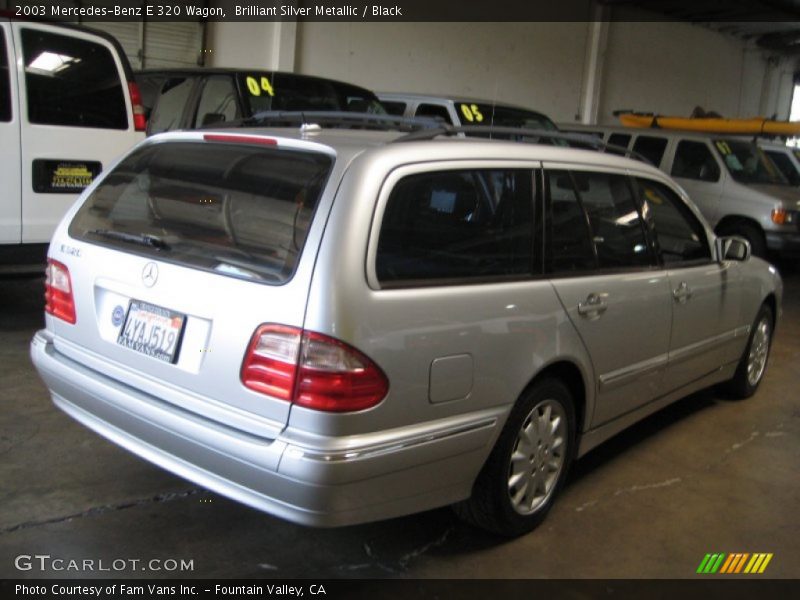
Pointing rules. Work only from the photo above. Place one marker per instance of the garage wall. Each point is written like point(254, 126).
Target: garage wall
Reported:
point(670, 68)
point(266, 45)
point(534, 64)
point(664, 67)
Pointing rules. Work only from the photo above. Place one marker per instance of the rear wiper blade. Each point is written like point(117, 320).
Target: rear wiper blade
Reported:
point(143, 239)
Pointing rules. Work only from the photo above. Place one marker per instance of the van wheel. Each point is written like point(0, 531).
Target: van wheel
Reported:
point(753, 234)
point(528, 465)
point(753, 363)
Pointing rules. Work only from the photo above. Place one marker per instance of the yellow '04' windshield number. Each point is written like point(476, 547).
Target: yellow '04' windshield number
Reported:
point(471, 113)
point(256, 87)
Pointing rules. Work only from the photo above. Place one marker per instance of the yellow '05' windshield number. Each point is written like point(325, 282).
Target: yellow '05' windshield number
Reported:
point(256, 87)
point(471, 113)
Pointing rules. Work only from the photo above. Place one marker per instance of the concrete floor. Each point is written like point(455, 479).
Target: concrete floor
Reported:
point(704, 475)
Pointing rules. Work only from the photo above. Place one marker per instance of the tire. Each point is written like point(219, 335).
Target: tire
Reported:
point(753, 234)
point(512, 509)
point(753, 363)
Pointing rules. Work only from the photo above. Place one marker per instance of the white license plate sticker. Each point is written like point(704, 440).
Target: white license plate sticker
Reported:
point(152, 330)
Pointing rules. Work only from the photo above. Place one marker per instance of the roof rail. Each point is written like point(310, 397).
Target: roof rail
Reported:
point(520, 134)
point(351, 120)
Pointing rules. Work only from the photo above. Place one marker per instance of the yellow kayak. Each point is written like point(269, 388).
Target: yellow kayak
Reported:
point(752, 126)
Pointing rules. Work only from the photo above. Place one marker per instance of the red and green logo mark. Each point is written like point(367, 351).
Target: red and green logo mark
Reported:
point(737, 562)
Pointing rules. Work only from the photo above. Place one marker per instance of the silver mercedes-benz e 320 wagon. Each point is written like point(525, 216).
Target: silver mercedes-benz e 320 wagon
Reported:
point(336, 326)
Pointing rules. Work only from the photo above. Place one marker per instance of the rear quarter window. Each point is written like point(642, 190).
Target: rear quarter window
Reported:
point(72, 82)
point(459, 226)
point(238, 210)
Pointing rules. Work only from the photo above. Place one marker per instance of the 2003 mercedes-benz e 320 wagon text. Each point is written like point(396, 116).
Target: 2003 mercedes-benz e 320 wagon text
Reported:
point(338, 326)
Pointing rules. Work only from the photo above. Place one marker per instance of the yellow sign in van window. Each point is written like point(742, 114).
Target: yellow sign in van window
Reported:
point(256, 86)
point(471, 113)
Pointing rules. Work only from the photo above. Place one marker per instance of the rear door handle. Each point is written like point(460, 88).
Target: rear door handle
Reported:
point(594, 305)
point(682, 293)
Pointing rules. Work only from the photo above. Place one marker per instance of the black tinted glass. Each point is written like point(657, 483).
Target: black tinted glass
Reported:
point(617, 229)
point(457, 225)
point(619, 139)
point(172, 102)
point(270, 91)
point(433, 111)
point(747, 163)
point(785, 166)
point(5, 83)
point(397, 109)
point(237, 210)
point(72, 82)
point(652, 148)
point(478, 113)
point(218, 102)
point(693, 160)
point(570, 247)
point(680, 236)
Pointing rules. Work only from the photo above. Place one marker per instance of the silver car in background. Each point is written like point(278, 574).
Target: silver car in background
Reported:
point(340, 326)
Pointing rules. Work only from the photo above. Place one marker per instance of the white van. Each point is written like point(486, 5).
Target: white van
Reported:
point(68, 107)
point(735, 185)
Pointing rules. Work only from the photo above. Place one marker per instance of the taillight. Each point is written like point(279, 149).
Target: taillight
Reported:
point(270, 364)
point(58, 292)
point(311, 370)
point(139, 118)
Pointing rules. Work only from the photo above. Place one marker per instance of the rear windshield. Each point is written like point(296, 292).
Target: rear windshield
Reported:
point(266, 91)
point(747, 163)
point(238, 210)
point(472, 113)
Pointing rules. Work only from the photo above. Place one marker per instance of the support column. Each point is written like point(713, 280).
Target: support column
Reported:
point(596, 43)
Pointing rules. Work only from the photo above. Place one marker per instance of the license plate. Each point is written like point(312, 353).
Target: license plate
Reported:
point(152, 330)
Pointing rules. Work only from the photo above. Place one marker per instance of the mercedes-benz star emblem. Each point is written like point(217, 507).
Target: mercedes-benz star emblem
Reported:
point(150, 274)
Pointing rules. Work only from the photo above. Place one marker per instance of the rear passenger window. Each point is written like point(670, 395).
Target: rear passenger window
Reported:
point(652, 148)
point(218, 102)
point(433, 110)
point(72, 82)
point(614, 219)
point(570, 241)
point(171, 103)
point(457, 226)
point(693, 160)
point(680, 236)
point(5, 83)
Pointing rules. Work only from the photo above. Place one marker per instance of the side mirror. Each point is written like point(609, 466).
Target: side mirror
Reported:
point(732, 247)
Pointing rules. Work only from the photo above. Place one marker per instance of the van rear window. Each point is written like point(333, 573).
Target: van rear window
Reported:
point(72, 82)
point(5, 84)
point(242, 211)
point(269, 91)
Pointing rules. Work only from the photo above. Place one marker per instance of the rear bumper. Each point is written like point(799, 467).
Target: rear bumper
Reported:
point(785, 244)
point(378, 476)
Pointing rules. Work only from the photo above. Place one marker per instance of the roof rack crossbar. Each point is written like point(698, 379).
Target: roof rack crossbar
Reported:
point(520, 132)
